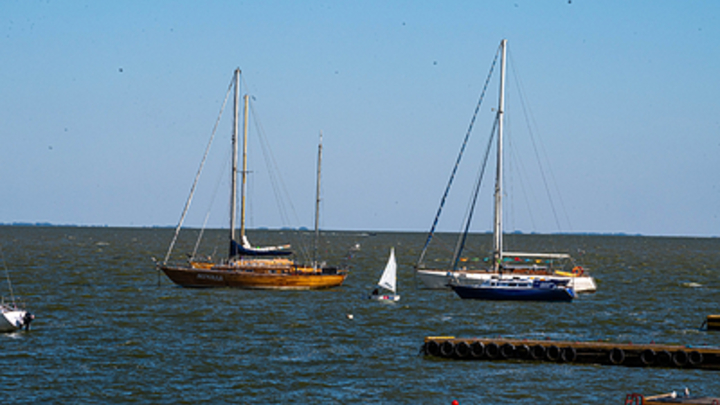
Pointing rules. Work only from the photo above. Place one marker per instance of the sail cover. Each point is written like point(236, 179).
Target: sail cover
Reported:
point(246, 249)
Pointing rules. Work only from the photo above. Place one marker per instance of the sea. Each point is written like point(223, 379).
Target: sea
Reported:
point(110, 328)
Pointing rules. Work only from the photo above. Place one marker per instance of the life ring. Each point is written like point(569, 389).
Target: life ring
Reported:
point(578, 271)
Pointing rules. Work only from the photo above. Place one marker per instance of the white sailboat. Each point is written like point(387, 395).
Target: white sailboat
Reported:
point(12, 317)
point(558, 266)
point(388, 281)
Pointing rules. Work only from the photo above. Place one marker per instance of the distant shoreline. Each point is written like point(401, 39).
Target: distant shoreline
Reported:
point(370, 232)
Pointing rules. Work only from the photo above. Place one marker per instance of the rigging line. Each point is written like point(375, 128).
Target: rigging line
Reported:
point(270, 164)
point(197, 175)
point(457, 161)
point(535, 148)
point(272, 168)
point(7, 275)
point(517, 162)
point(278, 185)
point(212, 202)
point(476, 192)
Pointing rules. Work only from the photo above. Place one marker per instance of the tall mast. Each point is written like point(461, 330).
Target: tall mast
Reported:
point(497, 230)
point(317, 203)
point(233, 173)
point(244, 170)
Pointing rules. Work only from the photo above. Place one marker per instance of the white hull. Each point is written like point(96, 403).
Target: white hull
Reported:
point(439, 279)
point(12, 320)
point(388, 297)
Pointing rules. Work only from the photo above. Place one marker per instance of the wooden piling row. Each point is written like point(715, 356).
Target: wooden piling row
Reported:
point(615, 354)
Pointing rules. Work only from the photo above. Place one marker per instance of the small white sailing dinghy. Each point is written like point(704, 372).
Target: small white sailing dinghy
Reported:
point(388, 281)
point(12, 318)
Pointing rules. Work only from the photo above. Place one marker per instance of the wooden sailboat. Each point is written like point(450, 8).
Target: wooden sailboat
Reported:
point(247, 266)
point(388, 281)
point(558, 266)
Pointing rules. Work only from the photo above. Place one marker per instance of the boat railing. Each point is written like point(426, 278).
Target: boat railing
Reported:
point(12, 305)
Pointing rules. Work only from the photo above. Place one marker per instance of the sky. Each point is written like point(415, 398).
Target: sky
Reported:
point(106, 109)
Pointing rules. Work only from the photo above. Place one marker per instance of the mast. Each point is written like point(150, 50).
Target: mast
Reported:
point(497, 229)
point(317, 203)
point(244, 170)
point(233, 173)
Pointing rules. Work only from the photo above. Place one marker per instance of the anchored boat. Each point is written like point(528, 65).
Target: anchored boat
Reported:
point(554, 266)
point(247, 266)
point(516, 289)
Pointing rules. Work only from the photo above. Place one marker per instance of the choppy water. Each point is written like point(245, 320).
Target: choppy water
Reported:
point(106, 333)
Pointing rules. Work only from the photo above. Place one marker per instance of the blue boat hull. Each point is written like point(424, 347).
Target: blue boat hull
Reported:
point(502, 294)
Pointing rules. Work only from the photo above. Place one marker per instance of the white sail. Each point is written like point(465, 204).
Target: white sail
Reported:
point(388, 280)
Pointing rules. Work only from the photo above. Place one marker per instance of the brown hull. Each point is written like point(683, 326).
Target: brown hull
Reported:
point(265, 278)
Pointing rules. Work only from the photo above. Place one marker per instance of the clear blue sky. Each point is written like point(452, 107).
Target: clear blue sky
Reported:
point(106, 107)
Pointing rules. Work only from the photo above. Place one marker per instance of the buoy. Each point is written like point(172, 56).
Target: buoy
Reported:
point(350, 316)
point(455, 402)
